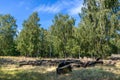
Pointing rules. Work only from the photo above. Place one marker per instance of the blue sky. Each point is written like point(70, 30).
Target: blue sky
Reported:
point(47, 9)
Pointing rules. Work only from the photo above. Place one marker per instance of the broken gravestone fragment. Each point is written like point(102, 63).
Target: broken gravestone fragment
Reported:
point(64, 67)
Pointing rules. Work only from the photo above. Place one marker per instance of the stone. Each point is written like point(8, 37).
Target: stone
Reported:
point(64, 67)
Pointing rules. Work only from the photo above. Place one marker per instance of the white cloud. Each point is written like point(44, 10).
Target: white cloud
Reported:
point(48, 8)
point(75, 10)
point(71, 7)
point(76, 7)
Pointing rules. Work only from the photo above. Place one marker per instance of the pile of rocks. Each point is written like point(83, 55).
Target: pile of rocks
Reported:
point(54, 62)
point(65, 66)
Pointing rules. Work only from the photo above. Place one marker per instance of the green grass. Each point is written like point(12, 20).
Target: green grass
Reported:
point(14, 72)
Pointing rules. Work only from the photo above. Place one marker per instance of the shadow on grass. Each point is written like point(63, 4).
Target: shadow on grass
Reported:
point(94, 74)
point(82, 74)
point(22, 76)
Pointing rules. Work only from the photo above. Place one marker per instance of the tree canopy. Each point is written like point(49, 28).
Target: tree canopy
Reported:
point(97, 35)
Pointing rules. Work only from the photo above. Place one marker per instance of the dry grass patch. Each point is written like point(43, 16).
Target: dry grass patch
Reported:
point(27, 72)
point(13, 72)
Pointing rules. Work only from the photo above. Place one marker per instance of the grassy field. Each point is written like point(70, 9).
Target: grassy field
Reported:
point(14, 72)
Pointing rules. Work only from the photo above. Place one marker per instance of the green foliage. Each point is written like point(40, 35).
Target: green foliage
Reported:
point(62, 28)
point(97, 35)
point(98, 26)
point(28, 41)
point(44, 43)
point(7, 34)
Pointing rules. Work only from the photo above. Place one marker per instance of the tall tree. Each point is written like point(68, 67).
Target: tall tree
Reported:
point(62, 28)
point(7, 34)
point(100, 20)
point(44, 43)
point(28, 41)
